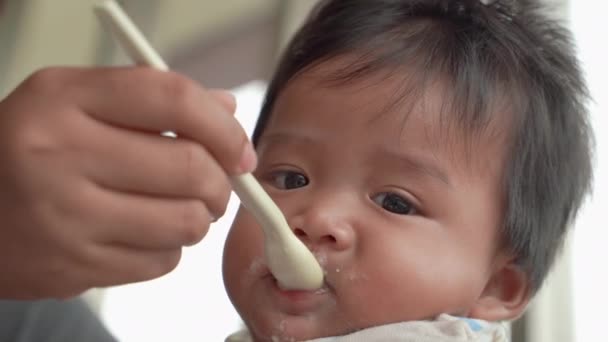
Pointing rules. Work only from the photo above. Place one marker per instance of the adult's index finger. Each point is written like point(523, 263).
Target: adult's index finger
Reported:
point(155, 101)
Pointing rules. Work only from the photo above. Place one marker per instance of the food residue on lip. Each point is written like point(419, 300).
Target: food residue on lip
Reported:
point(256, 265)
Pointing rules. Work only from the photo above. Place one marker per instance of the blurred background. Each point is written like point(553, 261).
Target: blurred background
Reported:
point(220, 43)
point(235, 44)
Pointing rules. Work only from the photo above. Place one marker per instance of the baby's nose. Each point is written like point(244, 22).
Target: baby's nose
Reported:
point(332, 234)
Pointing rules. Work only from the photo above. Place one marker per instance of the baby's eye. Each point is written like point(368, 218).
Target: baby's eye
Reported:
point(394, 203)
point(287, 180)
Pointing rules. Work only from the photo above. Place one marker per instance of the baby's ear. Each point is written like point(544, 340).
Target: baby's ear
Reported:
point(506, 294)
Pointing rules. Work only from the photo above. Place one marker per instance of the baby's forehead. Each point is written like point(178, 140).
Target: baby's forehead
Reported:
point(404, 94)
point(403, 104)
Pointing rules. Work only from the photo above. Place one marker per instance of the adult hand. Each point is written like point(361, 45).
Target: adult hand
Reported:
point(91, 194)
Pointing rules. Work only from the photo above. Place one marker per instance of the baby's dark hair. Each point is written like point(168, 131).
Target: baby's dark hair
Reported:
point(506, 49)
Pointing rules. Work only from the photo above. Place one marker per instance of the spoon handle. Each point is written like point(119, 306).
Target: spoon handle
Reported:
point(130, 38)
point(250, 192)
point(289, 260)
point(263, 208)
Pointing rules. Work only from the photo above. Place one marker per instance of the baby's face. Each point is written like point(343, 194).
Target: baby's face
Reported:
point(404, 227)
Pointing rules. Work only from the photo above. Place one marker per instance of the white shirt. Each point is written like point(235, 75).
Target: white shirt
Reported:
point(445, 328)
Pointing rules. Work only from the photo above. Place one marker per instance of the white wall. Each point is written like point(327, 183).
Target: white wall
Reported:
point(590, 247)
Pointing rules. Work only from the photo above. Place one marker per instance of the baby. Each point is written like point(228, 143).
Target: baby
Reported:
point(431, 153)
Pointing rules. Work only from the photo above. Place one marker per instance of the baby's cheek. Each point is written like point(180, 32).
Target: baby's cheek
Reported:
point(245, 237)
point(413, 286)
point(243, 251)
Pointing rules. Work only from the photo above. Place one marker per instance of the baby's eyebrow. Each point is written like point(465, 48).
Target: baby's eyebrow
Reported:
point(419, 164)
point(286, 137)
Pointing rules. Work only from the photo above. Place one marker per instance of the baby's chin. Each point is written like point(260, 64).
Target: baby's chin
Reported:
point(288, 328)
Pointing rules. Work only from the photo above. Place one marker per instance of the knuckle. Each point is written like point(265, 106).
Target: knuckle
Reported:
point(230, 152)
point(207, 181)
point(164, 264)
point(194, 222)
point(171, 260)
point(32, 131)
point(193, 159)
point(183, 95)
point(71, 282)
point(70, 208)
point(31, 139)
point(220, 191)
point(236, 150)
point(44, 80)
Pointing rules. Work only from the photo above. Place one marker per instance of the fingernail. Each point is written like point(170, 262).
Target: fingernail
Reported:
point(249, 159)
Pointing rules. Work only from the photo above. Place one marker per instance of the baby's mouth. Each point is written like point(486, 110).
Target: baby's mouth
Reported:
point(300, 302)
point(299, 293)
point(326, 286)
